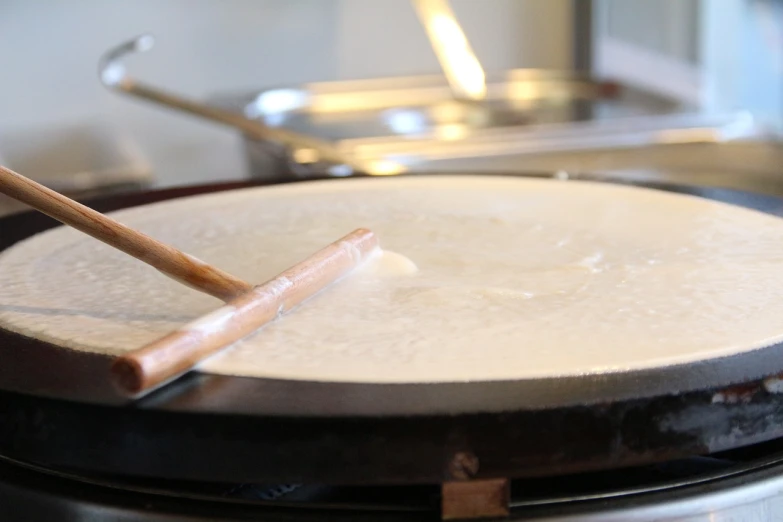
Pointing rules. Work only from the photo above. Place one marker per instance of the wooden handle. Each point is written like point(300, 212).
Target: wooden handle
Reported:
point(178, 265)
point(173, 355)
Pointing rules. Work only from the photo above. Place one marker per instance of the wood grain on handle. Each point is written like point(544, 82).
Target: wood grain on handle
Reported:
point(169, 260)
point(173, 355)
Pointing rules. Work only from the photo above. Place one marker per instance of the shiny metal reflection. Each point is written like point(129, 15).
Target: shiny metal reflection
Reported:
point(113, 75)
point(462, 69)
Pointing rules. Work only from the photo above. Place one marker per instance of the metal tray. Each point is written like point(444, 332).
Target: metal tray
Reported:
point(393, 125)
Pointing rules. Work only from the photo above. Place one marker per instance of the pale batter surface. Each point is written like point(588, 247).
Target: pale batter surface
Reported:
point(482, 279)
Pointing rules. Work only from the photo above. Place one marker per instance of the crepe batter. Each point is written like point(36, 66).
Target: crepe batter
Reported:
point(481, 278)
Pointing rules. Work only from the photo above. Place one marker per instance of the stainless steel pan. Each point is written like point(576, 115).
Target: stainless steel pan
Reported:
point(529, 120)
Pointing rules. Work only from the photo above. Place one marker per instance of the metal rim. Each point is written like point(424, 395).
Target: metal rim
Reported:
point(750, 482)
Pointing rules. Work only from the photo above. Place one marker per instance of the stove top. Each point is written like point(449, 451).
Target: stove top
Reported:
point(223, 448)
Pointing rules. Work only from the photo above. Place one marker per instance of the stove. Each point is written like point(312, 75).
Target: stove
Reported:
point(691, 443)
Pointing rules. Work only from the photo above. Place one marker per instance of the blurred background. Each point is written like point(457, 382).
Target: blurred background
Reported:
point(690, 90)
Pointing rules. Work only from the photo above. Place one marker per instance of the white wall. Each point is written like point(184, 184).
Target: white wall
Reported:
point(503, 33)
point(670, 27)
point(49, 51)
point(652, 44)
point(721, 55)
point(743, 57)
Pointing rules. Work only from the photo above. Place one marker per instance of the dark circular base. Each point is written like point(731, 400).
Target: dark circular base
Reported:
point(59, 409)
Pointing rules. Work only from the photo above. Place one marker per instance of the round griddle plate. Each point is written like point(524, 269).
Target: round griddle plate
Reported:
point(58, 408)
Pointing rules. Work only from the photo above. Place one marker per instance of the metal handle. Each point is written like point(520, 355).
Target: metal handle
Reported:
point(114, 76)
point(460, 65)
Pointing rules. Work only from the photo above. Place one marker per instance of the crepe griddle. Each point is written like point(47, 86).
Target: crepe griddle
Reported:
point(58, 409)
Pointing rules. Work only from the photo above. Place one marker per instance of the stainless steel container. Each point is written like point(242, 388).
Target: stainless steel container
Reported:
point(534, 121)
point(531, 120)
point(399, 124)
